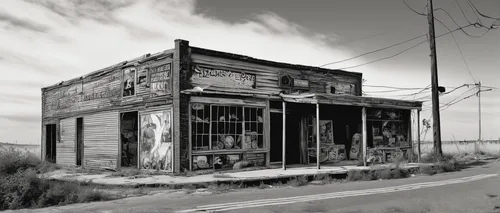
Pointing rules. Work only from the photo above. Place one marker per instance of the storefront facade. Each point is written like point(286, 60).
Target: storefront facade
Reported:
point(191, 108)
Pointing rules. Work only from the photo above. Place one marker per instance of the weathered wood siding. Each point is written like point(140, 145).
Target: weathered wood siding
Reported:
point(266, 77)
point(104, 90)
point(101, 139)
point(65, 149)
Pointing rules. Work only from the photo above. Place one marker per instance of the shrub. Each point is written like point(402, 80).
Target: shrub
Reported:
point(20, 187)
point(12, 160)
point(298, 181)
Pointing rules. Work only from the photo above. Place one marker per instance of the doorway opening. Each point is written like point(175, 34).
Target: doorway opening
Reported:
point(129, 137)
point(276, 137)
point(79, 141)
point(50, 143)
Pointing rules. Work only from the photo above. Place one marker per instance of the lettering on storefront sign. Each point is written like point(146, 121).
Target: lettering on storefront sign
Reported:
point(223, 78)
point(160, 78)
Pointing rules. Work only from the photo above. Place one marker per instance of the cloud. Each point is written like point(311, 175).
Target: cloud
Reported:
point(30, 118)
point(11, 22)
point(46, 41)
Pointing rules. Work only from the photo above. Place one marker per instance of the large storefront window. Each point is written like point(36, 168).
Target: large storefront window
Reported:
point(388, 134)
point(218, 127)
point(227, 136)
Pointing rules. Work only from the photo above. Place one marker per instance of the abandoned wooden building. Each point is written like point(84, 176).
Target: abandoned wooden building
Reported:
point(190, 108)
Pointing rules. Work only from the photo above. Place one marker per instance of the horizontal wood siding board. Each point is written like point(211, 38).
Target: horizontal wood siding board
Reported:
point(222, 101)
point(267, 76)
point(213, 53)
point(103, 92)
point(101, 138)
point(65, 149)
point(134, 107)
point(103, 71)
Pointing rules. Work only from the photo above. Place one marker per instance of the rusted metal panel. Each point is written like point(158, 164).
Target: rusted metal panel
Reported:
point(101, 139)
point(65, 148)
point(222, 74)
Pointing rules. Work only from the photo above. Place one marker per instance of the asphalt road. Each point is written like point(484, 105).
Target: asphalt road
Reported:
point(468, 191)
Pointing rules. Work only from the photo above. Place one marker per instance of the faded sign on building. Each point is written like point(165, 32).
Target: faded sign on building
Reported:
point(223, 78)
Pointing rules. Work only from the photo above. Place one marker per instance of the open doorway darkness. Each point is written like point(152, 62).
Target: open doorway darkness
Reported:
point(346, 123)
point(79, 141)
point(129, 137)
point(50, 143)
point(295, 133)
point(276, 137)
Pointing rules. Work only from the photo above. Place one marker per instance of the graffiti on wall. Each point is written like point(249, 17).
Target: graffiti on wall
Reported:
point(223, 78)
point(156, 141)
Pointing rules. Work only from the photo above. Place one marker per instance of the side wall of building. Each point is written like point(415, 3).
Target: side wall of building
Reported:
point(99, 98)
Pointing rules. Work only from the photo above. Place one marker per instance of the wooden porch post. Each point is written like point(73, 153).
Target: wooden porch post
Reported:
point(284, 136)
point(418, 135)
point(318, 151)
point(365, 138)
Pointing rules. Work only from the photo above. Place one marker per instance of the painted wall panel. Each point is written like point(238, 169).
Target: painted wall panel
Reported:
point(156, 145)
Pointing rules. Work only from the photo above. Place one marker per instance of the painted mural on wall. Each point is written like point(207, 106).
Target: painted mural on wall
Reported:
point(156, 141)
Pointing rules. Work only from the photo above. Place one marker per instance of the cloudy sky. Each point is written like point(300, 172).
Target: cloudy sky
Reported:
point(45, 41)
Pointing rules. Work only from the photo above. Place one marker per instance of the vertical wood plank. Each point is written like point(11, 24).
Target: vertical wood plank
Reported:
point(410, 137)
point(284, 136)
point(190, 136)
point(318, 151)
point(418, 136)
point(267, 132)
point(365, 138)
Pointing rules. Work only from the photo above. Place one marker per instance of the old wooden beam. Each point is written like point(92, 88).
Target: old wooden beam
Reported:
point(365, 138)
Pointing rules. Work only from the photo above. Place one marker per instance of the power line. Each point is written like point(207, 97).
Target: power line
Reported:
point(404, 1)
point(475, 24)
point(336, 62)
point(389, 87)
point(459, 49)
point(481, 14)
point(463, 13)
point(399, 53)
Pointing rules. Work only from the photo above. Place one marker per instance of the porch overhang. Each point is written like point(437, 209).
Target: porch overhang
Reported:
point(321, 98)
point(348, 100)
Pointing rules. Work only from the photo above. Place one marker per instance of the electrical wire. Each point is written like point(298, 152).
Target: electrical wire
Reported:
point(466, 33)
point(460, 50)
point(374, 51)
point(399, 53)
point(452, 100)
point(389, 87)
point(481, 14)
point(404, 1)
point(463, 13)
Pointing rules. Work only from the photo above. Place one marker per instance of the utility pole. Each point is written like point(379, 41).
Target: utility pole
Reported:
point(434, 81)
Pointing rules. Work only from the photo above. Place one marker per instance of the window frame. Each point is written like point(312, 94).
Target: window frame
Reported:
point(123, 82)
point(261, 137)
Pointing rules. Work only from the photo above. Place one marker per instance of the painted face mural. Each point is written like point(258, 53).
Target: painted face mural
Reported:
point(156, 141)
